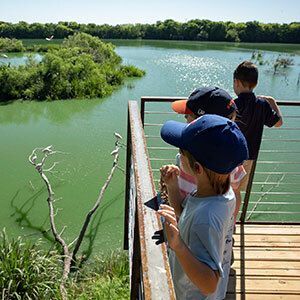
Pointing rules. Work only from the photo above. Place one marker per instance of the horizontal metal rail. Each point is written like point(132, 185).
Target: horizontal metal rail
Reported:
point(278, 163)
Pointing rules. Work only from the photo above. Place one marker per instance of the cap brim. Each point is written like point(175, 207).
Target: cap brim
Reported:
point(171, 133)
point(180, 107)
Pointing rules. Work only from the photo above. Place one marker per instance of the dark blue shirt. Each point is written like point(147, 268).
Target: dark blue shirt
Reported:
point(253, 114)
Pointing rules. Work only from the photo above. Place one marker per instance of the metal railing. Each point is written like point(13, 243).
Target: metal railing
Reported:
point(273, 192)
point(150, 275)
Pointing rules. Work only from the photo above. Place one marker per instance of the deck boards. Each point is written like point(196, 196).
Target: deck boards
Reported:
point(266, 263)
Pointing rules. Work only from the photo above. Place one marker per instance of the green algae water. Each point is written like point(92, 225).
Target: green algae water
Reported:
point(83, 129)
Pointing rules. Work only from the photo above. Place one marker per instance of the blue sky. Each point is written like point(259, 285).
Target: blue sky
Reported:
point(150, 11)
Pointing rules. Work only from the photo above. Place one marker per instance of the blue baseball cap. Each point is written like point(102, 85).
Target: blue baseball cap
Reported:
point(214, 141)
point(206, 100)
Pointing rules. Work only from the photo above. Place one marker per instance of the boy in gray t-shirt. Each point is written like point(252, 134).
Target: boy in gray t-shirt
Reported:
point(212, 146)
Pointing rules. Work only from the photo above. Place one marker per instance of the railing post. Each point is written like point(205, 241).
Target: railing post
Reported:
point(127, 185)
point(248, 192)
point(143, 111)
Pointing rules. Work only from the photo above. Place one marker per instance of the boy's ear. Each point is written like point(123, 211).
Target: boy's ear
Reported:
point(198, 168)
point(237, 82)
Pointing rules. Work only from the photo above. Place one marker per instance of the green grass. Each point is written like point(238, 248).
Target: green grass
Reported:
point(104, 278)
point(29, 272)
point(26, 272)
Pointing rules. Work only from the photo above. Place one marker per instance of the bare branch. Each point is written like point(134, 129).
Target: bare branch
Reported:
point(67, 255)
point(71, 244)
point(52, 167)
point(115, 153)
point(57, 199)
point(121, 169)
point(62, 231)
point(31, 185)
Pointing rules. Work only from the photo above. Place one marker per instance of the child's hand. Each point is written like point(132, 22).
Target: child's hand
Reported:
point(169, 174)
point(172, 231)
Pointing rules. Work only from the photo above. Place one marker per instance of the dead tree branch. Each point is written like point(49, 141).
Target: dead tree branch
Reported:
point(50, 199)
point(89, 215)
point(69, 257)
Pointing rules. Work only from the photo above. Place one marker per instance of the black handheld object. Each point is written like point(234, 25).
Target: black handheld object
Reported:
point(155, 202)
point(159, 237)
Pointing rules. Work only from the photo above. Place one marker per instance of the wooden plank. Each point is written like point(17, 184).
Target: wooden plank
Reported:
point(266, 238)
point(269, 244)
point(269, 229)
point(266, 225)
point(269, 296)
point(273, 240)
point(254, 284)
point(268, 265)
point(281, 254)
point(266, 272)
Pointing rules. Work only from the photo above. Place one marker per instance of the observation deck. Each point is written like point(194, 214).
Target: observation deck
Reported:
point(267, 239)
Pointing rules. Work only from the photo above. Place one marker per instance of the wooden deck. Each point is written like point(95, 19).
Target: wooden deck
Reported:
point(266, 263)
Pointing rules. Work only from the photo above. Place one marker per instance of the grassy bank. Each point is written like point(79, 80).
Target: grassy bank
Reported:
point(28, 272)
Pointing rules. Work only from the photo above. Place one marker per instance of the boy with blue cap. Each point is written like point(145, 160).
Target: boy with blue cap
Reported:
point(207, 100)
point(214, 146)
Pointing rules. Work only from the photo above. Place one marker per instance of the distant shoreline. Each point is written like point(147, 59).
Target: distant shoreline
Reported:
point(193, 30)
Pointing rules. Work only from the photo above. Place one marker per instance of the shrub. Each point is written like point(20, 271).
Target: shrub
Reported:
point(83, 66)
point(11, 45)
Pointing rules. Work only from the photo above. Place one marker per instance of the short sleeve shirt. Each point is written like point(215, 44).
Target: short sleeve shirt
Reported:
point(203, 225)
point(253, 114)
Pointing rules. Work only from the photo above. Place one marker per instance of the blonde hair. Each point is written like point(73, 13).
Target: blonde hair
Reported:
point(219, 182)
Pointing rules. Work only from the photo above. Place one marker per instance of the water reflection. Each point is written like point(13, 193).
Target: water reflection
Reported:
point(18, 59)
point(197, 45)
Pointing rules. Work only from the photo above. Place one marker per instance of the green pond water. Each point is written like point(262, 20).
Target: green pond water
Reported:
point(83, 129)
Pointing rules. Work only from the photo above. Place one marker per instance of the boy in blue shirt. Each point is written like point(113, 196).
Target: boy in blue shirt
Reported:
point(214, 146)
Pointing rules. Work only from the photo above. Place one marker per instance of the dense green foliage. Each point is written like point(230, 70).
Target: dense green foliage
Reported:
point(82, 66)
point(200, 30)
point(11, 45)
point(27, 272)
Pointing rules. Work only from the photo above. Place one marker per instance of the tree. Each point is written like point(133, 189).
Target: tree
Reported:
point(69, 251)
point(217, 31)
point(190, 30)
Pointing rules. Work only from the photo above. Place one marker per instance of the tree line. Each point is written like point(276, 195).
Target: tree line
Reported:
point(199, 30)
